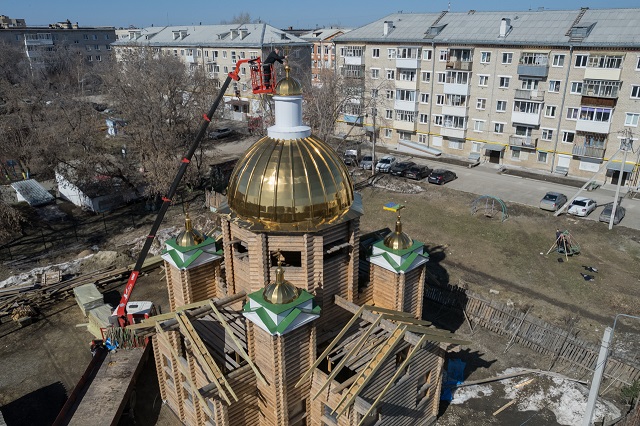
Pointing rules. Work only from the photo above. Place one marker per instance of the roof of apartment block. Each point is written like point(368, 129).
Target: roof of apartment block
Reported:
point(320, 34)
point(592, 27)
point(231, 35)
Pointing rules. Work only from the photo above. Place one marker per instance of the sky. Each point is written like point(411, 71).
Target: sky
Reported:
point(279, 13)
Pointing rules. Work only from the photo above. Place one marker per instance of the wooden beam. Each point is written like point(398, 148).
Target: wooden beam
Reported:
point(392, 312)
point(436, 335)
point(241, 351)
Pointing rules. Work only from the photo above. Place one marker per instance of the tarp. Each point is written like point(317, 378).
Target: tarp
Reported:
point(455, 376)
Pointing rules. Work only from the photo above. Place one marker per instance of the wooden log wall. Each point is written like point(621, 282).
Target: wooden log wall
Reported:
point(269, 360)
point(386, 288)
point(245, 411)
point(334, 282)
point(201, 283)
point(299, 354)
point(413, 292)
point(534, 333)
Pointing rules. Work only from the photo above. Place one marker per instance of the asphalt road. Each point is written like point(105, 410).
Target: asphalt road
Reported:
point(485, 180)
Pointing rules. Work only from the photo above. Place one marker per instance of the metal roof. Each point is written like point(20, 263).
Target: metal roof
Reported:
point(608, 27)
point(256, 35)
point(32, 192)
point(323, 33)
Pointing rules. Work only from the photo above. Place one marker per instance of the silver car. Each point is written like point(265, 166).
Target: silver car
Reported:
point(366, 162)
point(385, 163)
point(582, 206)
point(552, 201)
point(605, 216)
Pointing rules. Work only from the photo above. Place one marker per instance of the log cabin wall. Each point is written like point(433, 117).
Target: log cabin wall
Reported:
point(169, 375)
point(414, 291)
point(386, 288)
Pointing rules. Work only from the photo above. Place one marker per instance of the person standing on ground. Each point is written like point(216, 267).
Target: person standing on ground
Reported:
point(271, 59)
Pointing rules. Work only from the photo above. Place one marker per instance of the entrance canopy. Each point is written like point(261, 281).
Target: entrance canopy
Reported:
point(615, 167)
point(494, 147)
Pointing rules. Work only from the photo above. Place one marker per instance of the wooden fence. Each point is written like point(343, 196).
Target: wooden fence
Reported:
point(534, 333)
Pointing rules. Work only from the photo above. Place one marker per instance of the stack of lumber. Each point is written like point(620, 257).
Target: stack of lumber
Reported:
point(99, 319)
point(88, 297)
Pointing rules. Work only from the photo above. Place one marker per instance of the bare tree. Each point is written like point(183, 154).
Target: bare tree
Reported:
point(240, 18)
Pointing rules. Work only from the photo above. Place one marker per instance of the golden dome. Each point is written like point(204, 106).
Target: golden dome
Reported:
point(288, 86)
point(281, 291)
point(189, 237)
point(398, 240)
point(294, 182)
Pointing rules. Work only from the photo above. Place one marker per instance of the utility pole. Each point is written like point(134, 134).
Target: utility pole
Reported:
point(374, 112)
point(626, 145)
point(597, 377)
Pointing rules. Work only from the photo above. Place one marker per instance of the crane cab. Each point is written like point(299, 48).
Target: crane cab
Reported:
point(139, 311)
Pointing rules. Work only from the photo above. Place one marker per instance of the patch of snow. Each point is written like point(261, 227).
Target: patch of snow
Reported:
point(67, 268)
point(464, 393)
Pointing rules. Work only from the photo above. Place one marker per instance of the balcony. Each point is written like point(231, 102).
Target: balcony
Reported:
point(406, 84)
point(460, 111)
point(531, 70)
point(352, 71)
point(190, 59)
point(459, 65)
point(407, 126)
point(588, 151)
point(592, 73)
point(530, 95)
point(405, 105)
point(38, 39)
point(453, 132)
point(601, 89)
point(456, 89)
point(353, 60)
point(523, 141)
point(527, 118)
point(411, 63)
point(589, 126)
point(353, 119)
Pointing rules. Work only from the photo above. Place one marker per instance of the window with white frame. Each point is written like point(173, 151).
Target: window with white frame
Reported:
point(550, 111)
point(388, 133)
point(567, 136)
point(600, 115)
point(581, 61)
point(542, 157)
point(547, 134)
point(504, 82)
point(440, 100)
point(422, 138)
point(476, 146)
point(605, 61)
point(507, 57)
point(391, 74)
point(427, 54)
point(407, 116)
point(498, 127)
point(635, 92)
point(444, 55)
point(501, 106)
point(408, 53)
point(437, 120)
point(554, 86)
point(526, 107)
point(638, 64)
point(406, 95)
point(485, 57)
point(406, 74)
point(224, 54)
point(455, 122)
point(481, 103)
point(374, 93)
point(442, 77)
point(483, 80)
point(404, 136)
point(424, 98)
point(572, 113)
point(576, 88)
point(388, 114)
point(424, 118)
point(375, 73)
point(631, 119)
point(425, 76)
point(478, 125)
point(529, 84)
point(390, 94)
point(515, 153)
point(351, 51)
point(391, 53)
point(375, 53)
point(558, 60)
point(456, 144)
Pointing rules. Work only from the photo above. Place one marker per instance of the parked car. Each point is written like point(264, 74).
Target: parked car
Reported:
point(385, 163)
point(441, 176)
point(552, 201)
point(366, 162)
point(351, 157)
point(398, 169)
point(582, 206)
point(605, 215)
point(417, 172)
point(220, 133)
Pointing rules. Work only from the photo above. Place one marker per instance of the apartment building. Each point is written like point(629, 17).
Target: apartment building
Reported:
point(93, 44)
point(217, 49)
point(547, 90)
point(323, 52)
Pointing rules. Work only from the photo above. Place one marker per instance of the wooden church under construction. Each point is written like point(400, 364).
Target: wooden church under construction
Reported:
point(270, 326)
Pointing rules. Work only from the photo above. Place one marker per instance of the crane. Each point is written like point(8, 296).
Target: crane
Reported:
point(130, 312)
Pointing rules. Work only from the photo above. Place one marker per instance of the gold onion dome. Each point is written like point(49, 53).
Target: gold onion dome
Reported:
point(281, 291)
point(398, 240)
point(288, 86)
point(290, 182)
point(189, 237)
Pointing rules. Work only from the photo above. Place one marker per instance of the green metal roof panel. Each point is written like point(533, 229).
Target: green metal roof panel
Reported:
point(416, 245)
point(278, 308)
point(172, 243)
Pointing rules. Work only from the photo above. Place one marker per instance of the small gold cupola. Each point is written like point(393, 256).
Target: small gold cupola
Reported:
point(189, 237)
point(288, 86)
point(398, 240)
point(280, 291)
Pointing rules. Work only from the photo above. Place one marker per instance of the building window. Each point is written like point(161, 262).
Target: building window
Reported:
point(635, 92)
point(391, 53)
point(501, 106)
point(483, 80)
point(567, 137)
point(481, 103)
point(406, 95)
point(600, 115)
point(98, 58)
point(391, 74)
point(476, 146)
point(444, 56)
point(547, 134)
point(437, 119)
point(504, 82)
point(638, 64)
point(94, 36)
point(375, 53)
point(576, 88)
point(424, 118)
point(572, 113)
point(442, 77)
point(631, 119)
point(97, 47)
point(87, 47)
point(558, 61)
point(529, 84)
point(404, 136)
point(440, 100)
point(485, 57)
point(89, 58)
point(389, 94)
point(374, 93)
point(85, 36)
point(422, 138)
point(478, 125)
point(515, 153)
point(550, 111)
point(581, 61)
point(455, 144)
point(498, 127)
point(554, 86)
point(388, 114)
point(108, 46)
point(388, 133)
point(542, 157)
point(425, 76)
point(426, 55)
point(406, 116)
point(375, 73)
point(424, 98)
point(606, 61)
point(507, 57)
